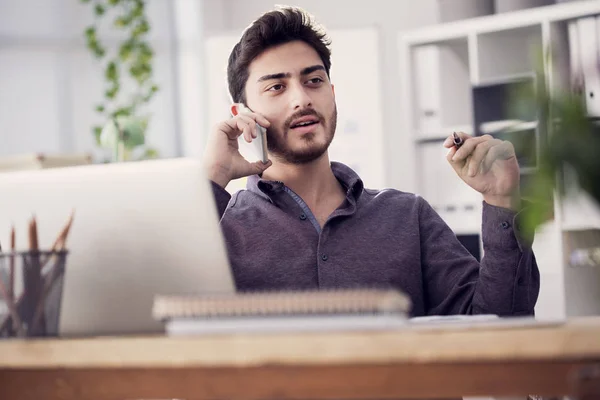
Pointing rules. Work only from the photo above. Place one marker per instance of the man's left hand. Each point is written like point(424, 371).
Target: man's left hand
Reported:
point(489, 166)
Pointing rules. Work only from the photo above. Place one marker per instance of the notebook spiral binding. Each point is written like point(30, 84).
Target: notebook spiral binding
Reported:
point(311, 302)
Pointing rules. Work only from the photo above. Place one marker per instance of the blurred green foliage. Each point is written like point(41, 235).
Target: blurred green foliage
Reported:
point(131, 60)
point(568, 145)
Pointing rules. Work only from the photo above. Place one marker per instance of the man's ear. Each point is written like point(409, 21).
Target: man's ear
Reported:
point(333, 89)
point(235, 109)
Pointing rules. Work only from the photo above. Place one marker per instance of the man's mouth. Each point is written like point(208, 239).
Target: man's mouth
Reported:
point(302, 122)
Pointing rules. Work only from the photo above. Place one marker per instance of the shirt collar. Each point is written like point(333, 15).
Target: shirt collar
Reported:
point(347, 177)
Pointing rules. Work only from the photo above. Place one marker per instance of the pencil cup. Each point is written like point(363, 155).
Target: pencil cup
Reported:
point(31, 293)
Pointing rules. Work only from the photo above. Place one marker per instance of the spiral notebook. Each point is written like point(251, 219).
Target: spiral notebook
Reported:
point(318, 310)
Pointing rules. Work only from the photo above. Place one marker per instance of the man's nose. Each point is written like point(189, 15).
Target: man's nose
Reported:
point(300, 97)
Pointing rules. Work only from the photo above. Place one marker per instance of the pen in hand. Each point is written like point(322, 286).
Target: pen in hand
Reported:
point(457, 140)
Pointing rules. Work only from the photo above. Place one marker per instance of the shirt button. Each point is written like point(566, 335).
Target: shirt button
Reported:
point(505, 225)
point(302, 217)
point(324, 257)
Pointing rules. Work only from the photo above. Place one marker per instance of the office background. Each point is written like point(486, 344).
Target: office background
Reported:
point(50, 84)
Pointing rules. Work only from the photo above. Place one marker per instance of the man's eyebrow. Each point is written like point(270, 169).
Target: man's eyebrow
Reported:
point(279, 75)
point(310, 70)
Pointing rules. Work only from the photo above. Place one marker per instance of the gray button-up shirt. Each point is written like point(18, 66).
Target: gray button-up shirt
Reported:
point(376, 238)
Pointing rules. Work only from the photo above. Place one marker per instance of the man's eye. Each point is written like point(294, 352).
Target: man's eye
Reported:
point(315, 81)
point(276, 88)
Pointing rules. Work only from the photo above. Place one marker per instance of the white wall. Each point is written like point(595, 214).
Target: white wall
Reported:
point(390, 17)
point(50, 84)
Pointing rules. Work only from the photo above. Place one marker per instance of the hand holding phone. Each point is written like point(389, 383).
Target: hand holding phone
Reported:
point(260, 142)
point(224, 159)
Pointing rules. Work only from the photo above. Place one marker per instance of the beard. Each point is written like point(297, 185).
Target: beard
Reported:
point(277, 139)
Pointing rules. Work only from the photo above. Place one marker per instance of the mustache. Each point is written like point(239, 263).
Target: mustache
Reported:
point(299, 114)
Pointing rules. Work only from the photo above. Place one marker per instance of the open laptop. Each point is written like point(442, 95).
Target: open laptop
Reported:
point(140, 229)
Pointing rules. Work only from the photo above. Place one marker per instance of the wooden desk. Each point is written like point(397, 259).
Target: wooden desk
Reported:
point(382, 365)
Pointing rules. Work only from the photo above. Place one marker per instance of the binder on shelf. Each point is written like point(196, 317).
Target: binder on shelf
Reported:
point(575, 55)
point(593, 103)
point(507, 125)
point(442, 133)
point(428, 88)
point(589, 43)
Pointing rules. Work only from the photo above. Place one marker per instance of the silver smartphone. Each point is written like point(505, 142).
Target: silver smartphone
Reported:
point(260, 142)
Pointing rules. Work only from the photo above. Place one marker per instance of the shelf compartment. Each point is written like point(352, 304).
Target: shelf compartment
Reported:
point(508, 53)
point(442, 89)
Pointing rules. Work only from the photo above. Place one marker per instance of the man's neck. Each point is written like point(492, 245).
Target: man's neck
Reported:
point(313, 181)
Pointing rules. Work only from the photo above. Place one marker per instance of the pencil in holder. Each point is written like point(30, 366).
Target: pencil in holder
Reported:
point(31, 286)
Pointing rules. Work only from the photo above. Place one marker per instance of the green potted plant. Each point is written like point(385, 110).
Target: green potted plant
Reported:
point(126, 123)
point(569, 145)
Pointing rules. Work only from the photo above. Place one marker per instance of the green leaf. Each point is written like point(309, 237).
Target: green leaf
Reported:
point(122, 22)
point(112, 92)
point(144, 50)
point(150, 93)
point(100, 108)
point(99, 10)
point(122, 112)
point(114, 2)
point(125, 50)
point(145, 47)
point(142, 78)
point(148, 97)
point(138, 10)
point(112, 73)
point(90, 32)
point(134, 70)
point(98, 51)
point(133, 131)
point(140, 72)
point(84, 1)
point(143, 59)
point(141, 29)
point(150, 153)
point(97, 132)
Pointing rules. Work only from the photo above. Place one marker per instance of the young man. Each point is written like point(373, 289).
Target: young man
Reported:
point(305, 222)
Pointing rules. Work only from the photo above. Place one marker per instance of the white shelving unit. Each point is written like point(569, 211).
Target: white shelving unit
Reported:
point(457, 76)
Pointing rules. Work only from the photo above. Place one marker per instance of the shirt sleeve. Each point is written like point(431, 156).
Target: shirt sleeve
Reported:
point(221, 197)
point(505, 283)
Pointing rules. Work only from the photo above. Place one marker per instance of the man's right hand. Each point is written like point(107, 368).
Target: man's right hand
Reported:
point(222, 159)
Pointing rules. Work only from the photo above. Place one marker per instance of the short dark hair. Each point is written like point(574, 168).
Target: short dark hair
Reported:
point(274, 28)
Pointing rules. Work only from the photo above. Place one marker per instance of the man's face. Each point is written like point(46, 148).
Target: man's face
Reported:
point(288, 85)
